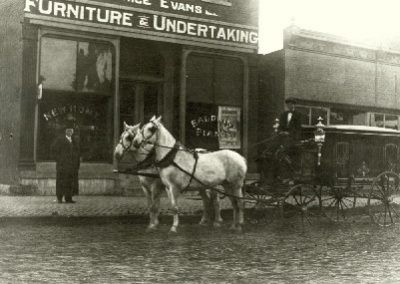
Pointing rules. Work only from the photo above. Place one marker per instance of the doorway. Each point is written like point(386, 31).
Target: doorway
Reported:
point(139, 101)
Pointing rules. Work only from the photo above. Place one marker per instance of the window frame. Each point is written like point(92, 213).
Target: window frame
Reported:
point(310, 108)
point(370, 114)
point(113, 94)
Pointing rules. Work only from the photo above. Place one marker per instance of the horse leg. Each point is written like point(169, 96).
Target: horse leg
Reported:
point(173, 198)
point(157, 190)
point(238, 205)
point(206, 207)
point(147, 193)
point(217, 209)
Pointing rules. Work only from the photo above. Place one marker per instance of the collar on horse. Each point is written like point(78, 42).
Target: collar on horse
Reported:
point(148, 161)
point(169, 160)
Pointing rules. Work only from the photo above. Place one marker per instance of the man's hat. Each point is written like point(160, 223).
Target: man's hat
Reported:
point(69, 124)
point(291, 100)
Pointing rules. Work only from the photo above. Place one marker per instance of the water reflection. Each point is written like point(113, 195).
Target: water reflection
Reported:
point(119, 251)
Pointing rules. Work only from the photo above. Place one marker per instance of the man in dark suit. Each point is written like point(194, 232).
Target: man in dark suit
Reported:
point(283, 143)
point(289, 131)
point(290, 121)
point(65, 151)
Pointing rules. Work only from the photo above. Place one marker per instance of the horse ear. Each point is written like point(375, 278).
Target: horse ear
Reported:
point(136, 126)
point(126, 126)
point(153, 118)
point(159, 119)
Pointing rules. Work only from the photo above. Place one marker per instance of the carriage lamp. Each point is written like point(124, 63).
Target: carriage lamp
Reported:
point(319, 137)
point(276, 125)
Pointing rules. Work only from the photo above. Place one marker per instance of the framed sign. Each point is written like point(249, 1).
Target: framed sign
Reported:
point(229, 127)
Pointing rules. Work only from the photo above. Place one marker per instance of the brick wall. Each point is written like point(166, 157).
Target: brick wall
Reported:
point(10, 87)
point(324, 68)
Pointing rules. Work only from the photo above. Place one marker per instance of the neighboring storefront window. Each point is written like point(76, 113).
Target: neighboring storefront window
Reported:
point(310, 114)
point(77, 86)
point(384, 120)
point(214, 101)
point(349, 117)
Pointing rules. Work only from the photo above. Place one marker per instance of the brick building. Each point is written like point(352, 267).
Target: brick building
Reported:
point(99, 63)
point(342, 81)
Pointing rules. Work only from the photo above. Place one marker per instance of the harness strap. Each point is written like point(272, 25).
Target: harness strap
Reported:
point(196, 158)
point(147, 162)
point(169, 158)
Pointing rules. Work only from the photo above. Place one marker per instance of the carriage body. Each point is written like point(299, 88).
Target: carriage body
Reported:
point(355, 166)
point(359, 153)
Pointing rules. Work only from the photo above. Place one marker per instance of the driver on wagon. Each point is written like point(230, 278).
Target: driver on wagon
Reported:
point(289, 134)
point(290, 121)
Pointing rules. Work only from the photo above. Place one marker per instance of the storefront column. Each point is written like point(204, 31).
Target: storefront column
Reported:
point(182, 96)
point(28, 96)
point(116, 135)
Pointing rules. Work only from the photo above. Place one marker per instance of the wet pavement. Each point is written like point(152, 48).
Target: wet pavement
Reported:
point(103, 239)
point(119, 250)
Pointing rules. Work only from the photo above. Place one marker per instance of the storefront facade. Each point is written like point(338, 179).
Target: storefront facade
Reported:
point(99, 63)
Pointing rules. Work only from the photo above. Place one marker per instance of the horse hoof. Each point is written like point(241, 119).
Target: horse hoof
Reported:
point(217, 224)
point(236, 229)
point(239, 229)
point(173, 230)
point(203, 223)
point(151, 228)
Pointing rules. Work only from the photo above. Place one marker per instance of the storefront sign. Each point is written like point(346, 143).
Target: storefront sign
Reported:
point(229, 127)
point(203, 125)
point(73, 110)
point(145, 21)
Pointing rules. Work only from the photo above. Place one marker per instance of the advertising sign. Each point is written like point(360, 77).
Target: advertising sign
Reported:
point(147, 21)
point(229, 127)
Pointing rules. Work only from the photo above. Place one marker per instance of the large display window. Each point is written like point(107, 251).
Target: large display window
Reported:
point(77, 77)
point(214, 102)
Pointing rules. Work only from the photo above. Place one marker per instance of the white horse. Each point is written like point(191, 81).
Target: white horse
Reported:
point(152, 186)
point(181, 169)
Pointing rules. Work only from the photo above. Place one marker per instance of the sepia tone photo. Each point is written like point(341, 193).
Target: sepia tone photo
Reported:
point(199, 141)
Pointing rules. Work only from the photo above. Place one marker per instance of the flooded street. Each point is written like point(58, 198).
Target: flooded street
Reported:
point(119, 250)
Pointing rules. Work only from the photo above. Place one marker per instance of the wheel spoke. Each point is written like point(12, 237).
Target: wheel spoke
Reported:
point(394, 211)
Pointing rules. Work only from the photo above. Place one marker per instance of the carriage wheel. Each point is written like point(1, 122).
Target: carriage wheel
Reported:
point(305, 199)
point(263, 207)
point(336, 203)
point(384, 199)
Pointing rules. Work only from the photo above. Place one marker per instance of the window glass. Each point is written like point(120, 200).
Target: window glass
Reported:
point(391, 121)
point(212, 82)
point(94, 67)
point(317, 113)
point(89, 116)
point(377, 120)
point(76, 72)
point(58, 65)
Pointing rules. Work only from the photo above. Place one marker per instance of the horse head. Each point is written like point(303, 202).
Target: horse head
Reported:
point(147, 134)
point(125, 143)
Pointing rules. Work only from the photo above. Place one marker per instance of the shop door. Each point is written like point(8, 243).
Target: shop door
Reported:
point(139, 101)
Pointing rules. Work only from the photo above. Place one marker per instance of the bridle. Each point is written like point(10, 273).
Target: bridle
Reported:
point(126, 149)
point(145, 140)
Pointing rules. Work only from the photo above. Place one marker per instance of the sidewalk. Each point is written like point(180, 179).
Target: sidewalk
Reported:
point(93, 206)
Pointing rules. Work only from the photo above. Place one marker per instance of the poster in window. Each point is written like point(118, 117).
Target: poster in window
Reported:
point(229, 125)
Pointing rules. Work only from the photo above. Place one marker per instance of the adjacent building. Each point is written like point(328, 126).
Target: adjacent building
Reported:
point(342, 81)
